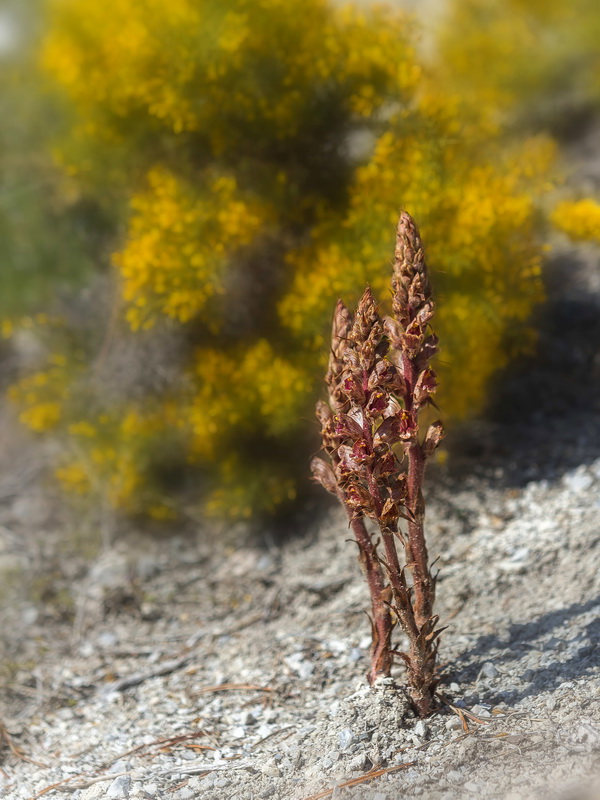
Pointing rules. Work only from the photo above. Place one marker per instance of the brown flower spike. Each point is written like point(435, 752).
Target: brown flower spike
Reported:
point(379, 378)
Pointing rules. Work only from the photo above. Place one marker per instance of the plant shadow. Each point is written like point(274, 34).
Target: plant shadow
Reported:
point(512, 647)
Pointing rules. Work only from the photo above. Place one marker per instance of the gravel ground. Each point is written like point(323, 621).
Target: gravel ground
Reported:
point(184, 672)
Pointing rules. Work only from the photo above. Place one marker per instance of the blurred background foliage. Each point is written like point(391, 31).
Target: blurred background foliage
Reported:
point(533, 62)
point(188, 186)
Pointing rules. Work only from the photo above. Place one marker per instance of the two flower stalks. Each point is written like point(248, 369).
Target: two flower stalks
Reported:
point(379, 379)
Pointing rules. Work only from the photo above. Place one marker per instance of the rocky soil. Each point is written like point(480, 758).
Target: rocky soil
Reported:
point(182, 669)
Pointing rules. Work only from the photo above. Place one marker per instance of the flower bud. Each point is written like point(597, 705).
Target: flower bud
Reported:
point(434, 435)
point(346, 427)
point(389, 513)
point(378, 402)
point(352, 388)
point(425, 386)
point(323, 474)
point(359, 499)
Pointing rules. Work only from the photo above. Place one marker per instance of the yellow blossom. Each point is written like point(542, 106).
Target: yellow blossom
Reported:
point(580, 220)
point(173, 262)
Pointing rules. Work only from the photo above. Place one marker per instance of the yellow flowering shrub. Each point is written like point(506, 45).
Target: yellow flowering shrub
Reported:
point(253, 387)
point(40, 396)
point(580, 219)
point(109, 455)
point(112, 456)
point(178, 244)
point(247, 487)
point(248, 159)
point(109, 452)
point(536, 59)
point(237, 79)
point(245, 406)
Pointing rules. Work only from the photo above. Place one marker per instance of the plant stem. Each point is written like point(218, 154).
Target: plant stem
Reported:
point(424, 585)
point(381, 658)
point(422, 652)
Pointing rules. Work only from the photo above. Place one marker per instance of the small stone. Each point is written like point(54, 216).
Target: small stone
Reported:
point(120, 766)
point(556, 645)
point(358, 763)
point(86, 649)
point(480, 711)
point(300, 665)
point(346, 738)
point(453, 724)
point(184, 794)
point(513, 567)
point(578, 481)
point(454, 776)
point(238, 732)
point(149, 611)
point(93, 792)
point(110, 571)
point(587, 734)
point(384, 683)
point(106, 640)
point(375, 755)
point(270, 769)
point(520, 554)
point(119, 788)
point(29, 615)
point(336, 646)
point(420, 729)
point(488, 671)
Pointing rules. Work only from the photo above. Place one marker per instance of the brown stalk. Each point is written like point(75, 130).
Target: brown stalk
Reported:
point(413, 309)
point(379, 378)
point(381, 618)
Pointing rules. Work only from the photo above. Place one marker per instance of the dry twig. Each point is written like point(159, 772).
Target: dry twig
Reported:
point(139, 677)
point(230, 687)
point(374, 773)
point(6, 738)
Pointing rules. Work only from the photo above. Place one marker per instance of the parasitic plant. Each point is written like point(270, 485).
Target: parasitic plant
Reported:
point(379, 379)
